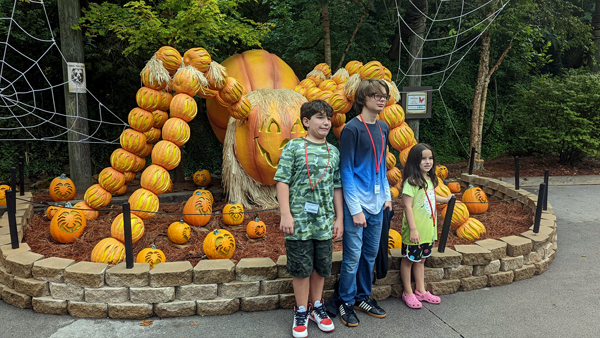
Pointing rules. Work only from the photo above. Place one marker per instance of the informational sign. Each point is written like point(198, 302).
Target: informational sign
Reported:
point(76, 77)
point(416, 102)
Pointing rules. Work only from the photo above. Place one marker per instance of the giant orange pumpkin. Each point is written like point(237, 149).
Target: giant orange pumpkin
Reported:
point(62, 188)
point(254, 69)
point(67, 224)
point(259, 140)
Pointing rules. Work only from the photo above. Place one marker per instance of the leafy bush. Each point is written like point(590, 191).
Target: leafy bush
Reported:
point(561, 116)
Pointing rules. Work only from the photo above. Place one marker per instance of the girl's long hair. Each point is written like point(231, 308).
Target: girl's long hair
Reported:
point(412, 172)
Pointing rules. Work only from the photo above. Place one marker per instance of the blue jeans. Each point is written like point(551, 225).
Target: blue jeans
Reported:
point(360, 249)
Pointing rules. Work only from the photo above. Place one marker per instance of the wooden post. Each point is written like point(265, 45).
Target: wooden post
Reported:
point(71, 45)
point(417, 22)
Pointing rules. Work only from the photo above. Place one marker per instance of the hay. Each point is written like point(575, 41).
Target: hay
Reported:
point(158, 72)
point(394, 92)
point(240, 187)
point(318, 73)
point(216, 75)
point(352, 85)
point(194, 73)
point(342, 73)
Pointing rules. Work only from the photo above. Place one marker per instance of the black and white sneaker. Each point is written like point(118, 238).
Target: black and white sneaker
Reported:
point(347, 315)
point(299, 329)
point(370, 306)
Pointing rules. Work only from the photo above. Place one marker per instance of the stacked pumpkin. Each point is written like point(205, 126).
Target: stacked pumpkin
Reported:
point(394, 174)
point(473, 203)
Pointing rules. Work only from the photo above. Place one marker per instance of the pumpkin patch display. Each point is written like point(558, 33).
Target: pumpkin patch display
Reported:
point(219, 244)
point(152, 256)
point(62, 189)
point(202, 178)
point(67, 224)
point(108, 250)
point(233, 214)
point(441, 172)
point(197, 210)
point(117, 229)
point(179, 232)
point(476, 200)
point(256, 229)
point(394, 240)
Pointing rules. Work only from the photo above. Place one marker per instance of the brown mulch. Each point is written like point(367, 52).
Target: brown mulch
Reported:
point(501, 219)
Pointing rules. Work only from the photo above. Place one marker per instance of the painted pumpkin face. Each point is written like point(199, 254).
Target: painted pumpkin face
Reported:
point(256, 229)
point(233, 214)
point(152, 256)
point(202, 178)
point(271, 124)
point(219, 244)
point(62, 188)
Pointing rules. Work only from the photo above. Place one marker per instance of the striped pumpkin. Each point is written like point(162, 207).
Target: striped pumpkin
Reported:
point(184, 107)
point(122, 160)
point(338, 102)
point(129, 176)
point(148, 98)
point(160, 117)
point(390, 161)
point(338, 119)
point(164, 100)
point(231, 93)
point(394, 176)
point(353, 67)
point(401, 137)
point(188, 80)
point(111, 180)
point(308, 84)
point(140, 120)
point(145, 201)
point(153, 135)
point(459, 216)
point(96, 197)
point(170, 57)
point(146, 151)
point(155, 179)
point(373, 69)
point(140, 164)
point(166, 154)
point(108, 250)
point(323, 67)
point(403, 156)
point(177, 131)
point(328, 85)
point(241, 109)
point(132, 141)
point(89, 212)
point(311, 93)
point(198, 58)
point(117, 229)
point(392, 115)
point(471, 230)
point(216, 76)
point(442, 191)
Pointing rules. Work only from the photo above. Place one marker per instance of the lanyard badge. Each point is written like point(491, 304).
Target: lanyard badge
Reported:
point(377, 163)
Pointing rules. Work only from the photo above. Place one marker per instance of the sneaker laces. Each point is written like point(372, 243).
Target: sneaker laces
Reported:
point(301, 317)
point(320, 312)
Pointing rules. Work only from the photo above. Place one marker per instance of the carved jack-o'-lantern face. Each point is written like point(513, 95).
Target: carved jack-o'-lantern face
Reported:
point(67, 225)
point(273, 121)
point(219, 244)
point(256, 229)
point(233, 214)
point(62, 188)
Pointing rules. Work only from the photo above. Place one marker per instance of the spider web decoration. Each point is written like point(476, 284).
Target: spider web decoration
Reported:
point(462, 40)
point(30, 97)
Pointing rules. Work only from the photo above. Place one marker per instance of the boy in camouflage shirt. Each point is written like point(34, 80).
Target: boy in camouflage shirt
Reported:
point(309, 193)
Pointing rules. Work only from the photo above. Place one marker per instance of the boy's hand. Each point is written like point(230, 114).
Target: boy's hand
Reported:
point(338, 228)
point(414, 236)
point(387, 205)
point(286, 225)
point(359, 220)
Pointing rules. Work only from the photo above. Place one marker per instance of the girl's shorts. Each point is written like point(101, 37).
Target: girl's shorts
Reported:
point(416, 252)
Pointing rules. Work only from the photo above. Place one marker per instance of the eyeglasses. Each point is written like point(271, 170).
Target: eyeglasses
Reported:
point(378, 97)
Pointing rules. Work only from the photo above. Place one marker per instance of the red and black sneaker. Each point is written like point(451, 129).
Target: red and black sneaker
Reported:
point(320, 316)
point(299, 329)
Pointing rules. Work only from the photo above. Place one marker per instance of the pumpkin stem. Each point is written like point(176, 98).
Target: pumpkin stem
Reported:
point(153, 247)
point(68, 205)
point(256, 220)
point(62, 176)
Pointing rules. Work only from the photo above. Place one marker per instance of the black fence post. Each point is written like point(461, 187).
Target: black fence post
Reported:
point(11, 206)
point(517, 173)
point(13, 179)
point(546, 177)
point(446, 227)
point(21, 177)
point(538, 211)
point(127, 233)
point(472, 161)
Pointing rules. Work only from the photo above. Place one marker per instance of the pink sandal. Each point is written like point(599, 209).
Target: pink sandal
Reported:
point(428, 297)
point(411, 301)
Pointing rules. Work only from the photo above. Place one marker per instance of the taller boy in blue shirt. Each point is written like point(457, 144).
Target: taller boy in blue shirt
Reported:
point(366, 192)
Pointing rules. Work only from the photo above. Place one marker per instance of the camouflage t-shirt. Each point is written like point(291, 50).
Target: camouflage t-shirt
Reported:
point(292, 170)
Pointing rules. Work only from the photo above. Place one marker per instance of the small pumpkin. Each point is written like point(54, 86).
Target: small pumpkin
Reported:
point(454, 187)
point(394, 176)
point(219, 244)
point(67, 224)
point(3, 189)
point(233, 213)
point(441, 172)
point(394, 192)
point(89, 212)
point(202, 178)
point(476, 200)
point(117, 229)
point(179, 232)
point(51, 210)
point(96, 197)
point(62, 188)
point(471, 230)
point(256, 229)
point(197, 210)
point(442, 191)
point(152, 256)
point(394, 240)
point(145, 201)
point(108, 250)
point(459, 216)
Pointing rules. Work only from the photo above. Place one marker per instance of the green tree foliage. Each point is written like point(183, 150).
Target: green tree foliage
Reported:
point(561, 116)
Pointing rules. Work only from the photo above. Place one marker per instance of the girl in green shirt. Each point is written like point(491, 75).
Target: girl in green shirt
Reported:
point(419, 229)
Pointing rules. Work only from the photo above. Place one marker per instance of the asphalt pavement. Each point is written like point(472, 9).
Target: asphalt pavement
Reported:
point(562, 302)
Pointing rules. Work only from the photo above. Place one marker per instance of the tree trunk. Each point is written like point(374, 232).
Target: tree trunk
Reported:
point(362, 17)
point(416, 21)
point(71, 43)
point(484, 62)
point(327, 38)
point(595, 67)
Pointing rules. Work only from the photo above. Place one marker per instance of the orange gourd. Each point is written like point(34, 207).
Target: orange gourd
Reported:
point(219, 244)
point(256, 229)
point(179, 232)
point(67, 224)
point(62, 188)
point(233, 213)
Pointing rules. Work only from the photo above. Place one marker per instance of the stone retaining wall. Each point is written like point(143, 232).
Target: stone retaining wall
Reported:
point(216, 287)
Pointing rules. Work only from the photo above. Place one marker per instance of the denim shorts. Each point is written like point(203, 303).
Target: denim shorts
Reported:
point(304, 257)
